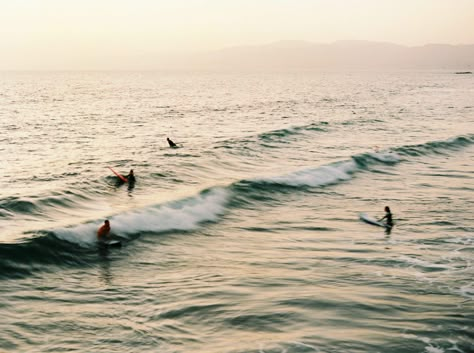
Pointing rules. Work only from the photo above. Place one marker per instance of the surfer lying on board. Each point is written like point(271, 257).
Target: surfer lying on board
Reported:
point(103, 233)
point(388, 217)
point(171, 143)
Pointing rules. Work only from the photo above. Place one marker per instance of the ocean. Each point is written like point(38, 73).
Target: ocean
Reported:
point(247, 237)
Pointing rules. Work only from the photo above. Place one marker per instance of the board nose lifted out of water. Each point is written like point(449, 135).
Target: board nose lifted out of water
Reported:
point(370, 220)
point(120, 176)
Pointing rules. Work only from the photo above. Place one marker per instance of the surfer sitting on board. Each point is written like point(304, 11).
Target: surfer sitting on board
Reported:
point(171, 143)
point(388, 217)
point(104, 231)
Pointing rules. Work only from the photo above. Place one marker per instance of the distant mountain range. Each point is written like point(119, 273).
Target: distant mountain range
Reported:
point(300, 55)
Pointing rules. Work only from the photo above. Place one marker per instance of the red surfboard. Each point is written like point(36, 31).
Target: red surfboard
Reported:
point(125, 180)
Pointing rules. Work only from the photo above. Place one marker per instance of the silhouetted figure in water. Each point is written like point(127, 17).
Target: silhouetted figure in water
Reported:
point(103, 233)
point(131, 177)
point(131, 180)
point(388, 220)
point(171, 143)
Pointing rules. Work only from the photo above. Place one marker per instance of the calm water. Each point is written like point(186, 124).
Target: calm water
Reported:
point(247, 238)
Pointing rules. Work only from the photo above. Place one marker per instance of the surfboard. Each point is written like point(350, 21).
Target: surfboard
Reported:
point(121, 177)
point(370, 220)
point(114, 243)
point(111, 243)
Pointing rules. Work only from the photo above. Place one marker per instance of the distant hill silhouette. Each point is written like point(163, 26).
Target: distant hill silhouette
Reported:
point(300, 55)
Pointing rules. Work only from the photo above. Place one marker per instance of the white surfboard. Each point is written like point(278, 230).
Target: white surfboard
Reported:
point(111, 243)
point(370, 220)
point(114, 243)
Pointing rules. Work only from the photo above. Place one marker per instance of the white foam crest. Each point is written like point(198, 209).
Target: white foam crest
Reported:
point(320, 176)
point(432, 349)
point(422, 263)
point(180, 215)
point(177, 215)
point(83, 234)
point(386, 156)
point(461, 240)
point(467, 291)
point(423, 339)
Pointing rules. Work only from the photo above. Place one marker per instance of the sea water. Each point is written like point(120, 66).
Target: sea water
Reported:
point(247, 238)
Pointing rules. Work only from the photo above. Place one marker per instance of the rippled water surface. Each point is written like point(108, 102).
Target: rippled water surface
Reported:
point(247, 238)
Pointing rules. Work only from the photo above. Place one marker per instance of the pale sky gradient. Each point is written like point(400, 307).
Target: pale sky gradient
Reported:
point(82, 34)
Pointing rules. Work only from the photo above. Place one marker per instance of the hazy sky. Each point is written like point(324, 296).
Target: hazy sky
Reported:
point(89, 33)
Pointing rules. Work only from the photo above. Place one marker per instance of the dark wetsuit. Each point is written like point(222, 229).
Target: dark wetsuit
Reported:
point(131, 181)
point(388, 217)
point(171, 143)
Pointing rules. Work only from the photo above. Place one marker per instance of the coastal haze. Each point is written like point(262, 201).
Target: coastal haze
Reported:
point(197, 34)
point(341, 55)
point(291, 119)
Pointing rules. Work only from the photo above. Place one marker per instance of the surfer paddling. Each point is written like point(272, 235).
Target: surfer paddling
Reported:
point(104, 231)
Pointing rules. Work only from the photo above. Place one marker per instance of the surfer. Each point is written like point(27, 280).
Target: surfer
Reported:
point(387, 217)
point(130, 180)
point(104, 231)
point(130, 177)
point(171, 143)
